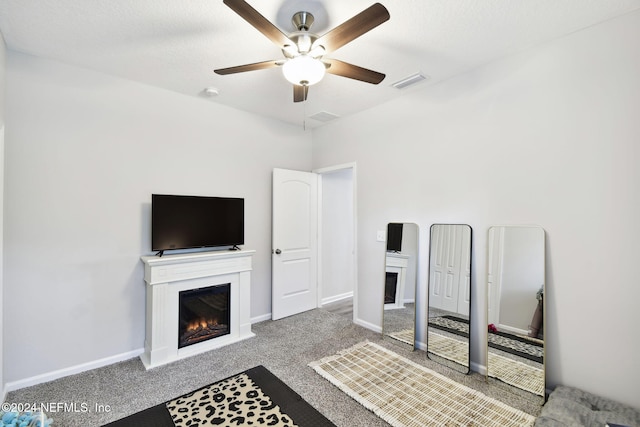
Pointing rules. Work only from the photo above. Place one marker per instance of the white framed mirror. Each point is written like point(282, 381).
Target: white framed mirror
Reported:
point(449, 300)
point(401, 274)
point(515, 308)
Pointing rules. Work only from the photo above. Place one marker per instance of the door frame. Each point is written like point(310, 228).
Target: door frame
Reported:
point(321, 172)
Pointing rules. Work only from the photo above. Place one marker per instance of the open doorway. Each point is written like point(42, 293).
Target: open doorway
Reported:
point(337, 272)
point(313, 244)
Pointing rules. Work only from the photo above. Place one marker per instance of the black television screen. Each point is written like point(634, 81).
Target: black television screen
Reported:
point(188, 222)
point(394, 237)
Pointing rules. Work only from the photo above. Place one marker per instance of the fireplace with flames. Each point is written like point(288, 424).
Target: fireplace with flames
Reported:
point(203, 314)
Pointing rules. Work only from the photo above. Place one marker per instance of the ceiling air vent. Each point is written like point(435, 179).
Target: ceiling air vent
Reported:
point(408, 81)
point(324, 116)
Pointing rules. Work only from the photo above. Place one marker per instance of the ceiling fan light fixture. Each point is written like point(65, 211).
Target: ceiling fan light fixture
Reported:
point(303, 70)
point(304, 51)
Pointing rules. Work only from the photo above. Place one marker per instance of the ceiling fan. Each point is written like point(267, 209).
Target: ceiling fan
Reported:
point(304, 63)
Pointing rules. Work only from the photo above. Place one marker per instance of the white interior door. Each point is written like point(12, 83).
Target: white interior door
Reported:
point(294, 256)
point(443, 283)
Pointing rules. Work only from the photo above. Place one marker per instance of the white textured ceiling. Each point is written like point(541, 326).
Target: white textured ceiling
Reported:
point(176, 44)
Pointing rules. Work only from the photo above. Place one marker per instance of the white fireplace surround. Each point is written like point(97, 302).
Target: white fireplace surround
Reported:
point(169, 275)
point(397, 263)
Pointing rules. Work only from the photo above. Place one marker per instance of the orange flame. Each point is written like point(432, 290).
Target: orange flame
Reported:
point(201, 323)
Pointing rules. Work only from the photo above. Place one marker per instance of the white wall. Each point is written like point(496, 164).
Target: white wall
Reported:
point(2, 311)
point(337, 235)
point(549, 136)
point(410, 236)
point(84, 153)
point(522, 276)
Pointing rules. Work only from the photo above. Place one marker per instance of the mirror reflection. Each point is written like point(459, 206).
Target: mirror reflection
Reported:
point(449, 295)
point(401, 267)
point(515, 285)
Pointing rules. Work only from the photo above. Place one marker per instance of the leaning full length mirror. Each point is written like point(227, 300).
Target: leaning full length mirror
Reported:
point(401, 272)
point(515, 285)
point(449, 295)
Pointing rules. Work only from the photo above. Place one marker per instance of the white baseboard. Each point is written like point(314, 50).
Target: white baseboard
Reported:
point(261, 318)
point(50, 376)
point(336, 298)
point(512, 330)
point(371, 326)
point(324, 301)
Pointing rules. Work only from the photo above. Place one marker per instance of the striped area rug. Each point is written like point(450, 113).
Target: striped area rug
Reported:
point(517, 374)
point(406, 336)
point(406, 394)
point(510, 371)
point(449, 348)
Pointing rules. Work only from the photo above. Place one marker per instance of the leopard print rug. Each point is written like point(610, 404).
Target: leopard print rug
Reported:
point(232, 402)
point(255, 397)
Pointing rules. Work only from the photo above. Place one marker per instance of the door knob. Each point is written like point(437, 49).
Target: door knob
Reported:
point(278, 251)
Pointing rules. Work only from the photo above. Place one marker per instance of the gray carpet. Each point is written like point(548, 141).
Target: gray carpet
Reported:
point(399, 319)
point(285, 347)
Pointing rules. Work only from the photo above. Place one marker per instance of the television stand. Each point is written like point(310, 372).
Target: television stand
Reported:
point(160, 253)
point(235, 248)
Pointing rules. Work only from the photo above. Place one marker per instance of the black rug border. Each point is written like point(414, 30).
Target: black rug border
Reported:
point(452, 330)
point(515, 352)
point(493, 345)
point(290, 402)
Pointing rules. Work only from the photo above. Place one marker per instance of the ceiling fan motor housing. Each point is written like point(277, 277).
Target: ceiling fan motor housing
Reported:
point(302, 38)
point(302, 21)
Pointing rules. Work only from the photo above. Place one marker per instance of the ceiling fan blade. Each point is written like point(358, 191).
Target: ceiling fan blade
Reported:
point(300, 93)
point(261, 23)
point(349, 30)
point(249, 67)
point(344, 69)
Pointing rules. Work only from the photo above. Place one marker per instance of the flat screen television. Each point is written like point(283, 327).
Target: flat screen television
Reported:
point(394, 237)
point(189, 222)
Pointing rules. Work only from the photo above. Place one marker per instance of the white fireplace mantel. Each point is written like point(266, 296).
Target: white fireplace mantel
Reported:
point(397, 262)
point(169, 275)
